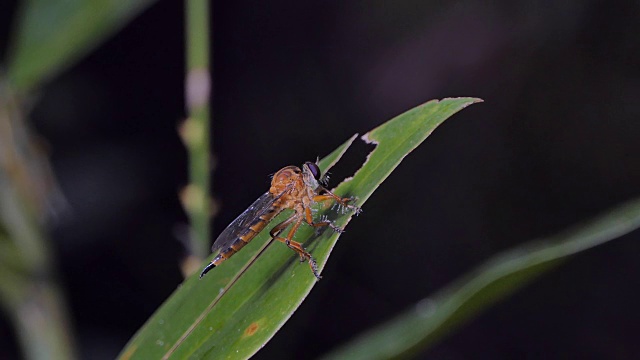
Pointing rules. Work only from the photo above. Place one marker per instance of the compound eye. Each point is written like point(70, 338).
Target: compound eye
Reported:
point(315, 170)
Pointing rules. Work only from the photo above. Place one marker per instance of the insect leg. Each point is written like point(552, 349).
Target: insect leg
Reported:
point(323, 222)
point(275, 232)
point(293, 245)
point(280, 227)
point(343, 202)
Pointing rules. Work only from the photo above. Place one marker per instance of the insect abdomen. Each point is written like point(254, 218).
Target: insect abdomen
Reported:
point(253, 229)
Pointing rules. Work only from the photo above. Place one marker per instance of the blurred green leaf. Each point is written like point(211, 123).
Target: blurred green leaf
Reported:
point(432, 318)
point(240, 305)
point(50, 36)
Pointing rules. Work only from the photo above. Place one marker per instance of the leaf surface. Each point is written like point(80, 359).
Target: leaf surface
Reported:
point(237, 307)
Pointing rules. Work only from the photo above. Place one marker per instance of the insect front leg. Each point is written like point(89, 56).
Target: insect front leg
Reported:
point(343, 203)
point(293, 245)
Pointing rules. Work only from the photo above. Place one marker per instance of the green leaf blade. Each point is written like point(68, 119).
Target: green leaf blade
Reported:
point(429, 320)
point(264, 284)
point(179, 328)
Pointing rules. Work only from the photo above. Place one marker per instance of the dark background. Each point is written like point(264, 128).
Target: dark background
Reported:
point(556, 141)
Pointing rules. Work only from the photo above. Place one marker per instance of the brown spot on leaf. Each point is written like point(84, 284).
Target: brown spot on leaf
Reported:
point(251, 329)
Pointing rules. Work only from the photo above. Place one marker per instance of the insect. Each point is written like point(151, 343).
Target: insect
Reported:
point(291, 188)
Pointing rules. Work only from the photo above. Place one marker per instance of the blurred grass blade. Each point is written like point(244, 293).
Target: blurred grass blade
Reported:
point(29, 292)
point(432, 318)
point(240, 305)
point(50, 36)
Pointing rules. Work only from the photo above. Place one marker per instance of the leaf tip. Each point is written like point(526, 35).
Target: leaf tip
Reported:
point(471, 101)
point(465, 99)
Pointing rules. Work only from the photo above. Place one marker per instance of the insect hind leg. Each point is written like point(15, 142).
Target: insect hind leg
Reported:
point(304, 255)
point(294, 245)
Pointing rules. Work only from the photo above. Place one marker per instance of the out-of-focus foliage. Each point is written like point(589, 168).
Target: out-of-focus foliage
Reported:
point(435, 317)
point(50, 36)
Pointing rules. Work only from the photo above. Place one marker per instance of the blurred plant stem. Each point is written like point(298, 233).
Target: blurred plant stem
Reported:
point(28, 290)
point(195, 131)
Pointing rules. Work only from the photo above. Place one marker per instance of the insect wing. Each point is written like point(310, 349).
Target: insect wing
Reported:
point(258, 208)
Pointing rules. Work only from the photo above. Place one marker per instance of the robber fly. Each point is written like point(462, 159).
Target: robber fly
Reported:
point(291, 188)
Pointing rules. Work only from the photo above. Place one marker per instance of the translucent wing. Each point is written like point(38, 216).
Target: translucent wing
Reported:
point(239, 225)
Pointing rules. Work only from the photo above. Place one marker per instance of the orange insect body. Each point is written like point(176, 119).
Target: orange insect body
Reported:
point(291, 188)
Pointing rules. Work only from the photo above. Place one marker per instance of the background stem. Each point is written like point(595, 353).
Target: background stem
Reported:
point(196, 129)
